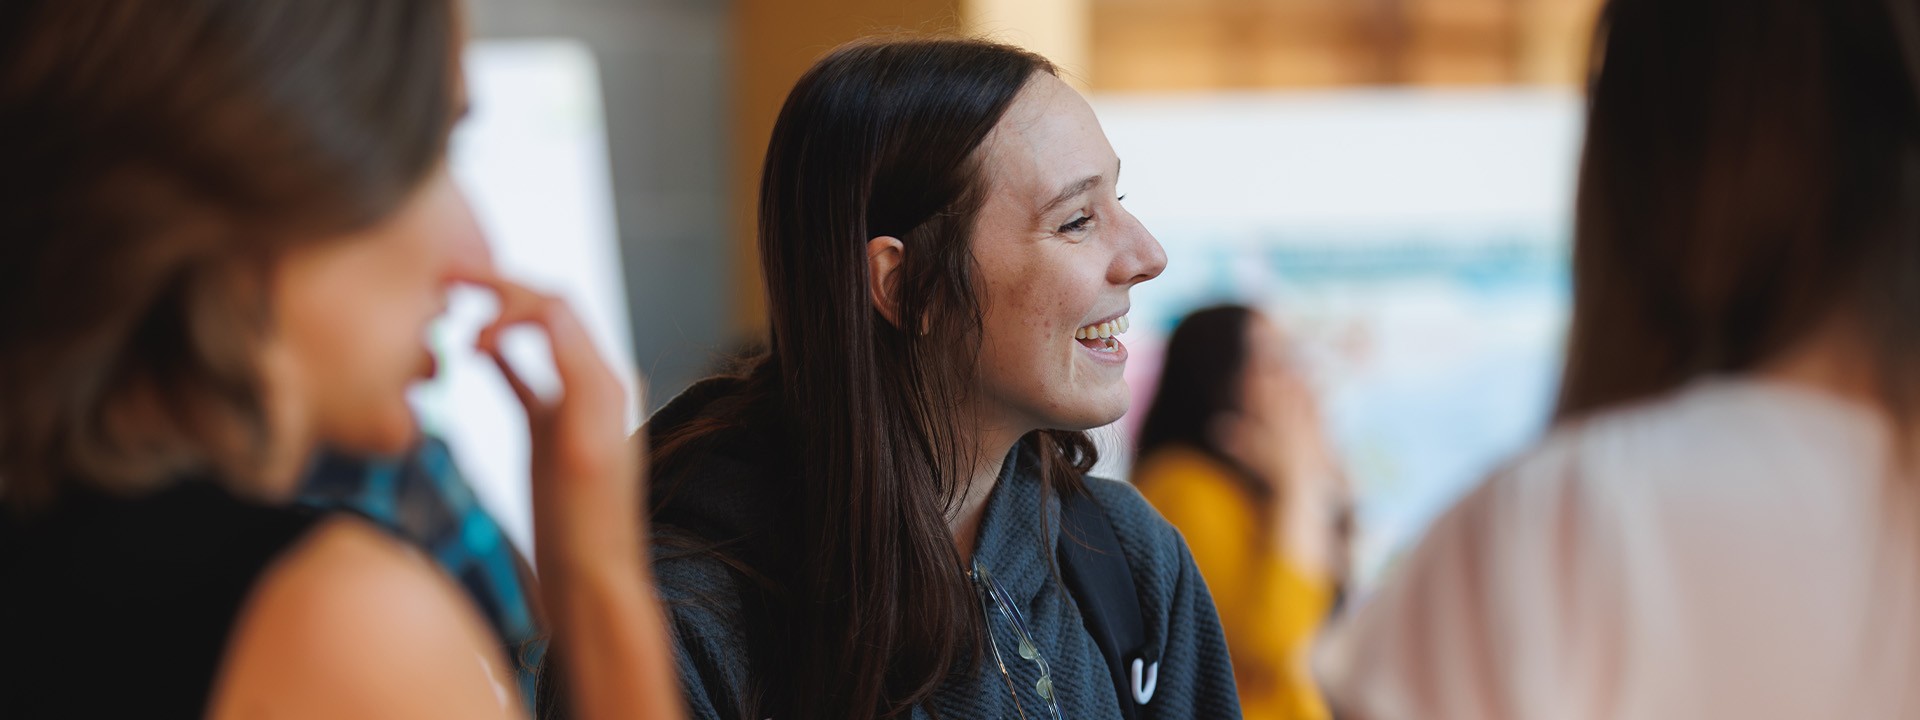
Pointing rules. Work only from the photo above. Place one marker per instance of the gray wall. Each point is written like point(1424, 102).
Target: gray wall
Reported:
point(664, 79)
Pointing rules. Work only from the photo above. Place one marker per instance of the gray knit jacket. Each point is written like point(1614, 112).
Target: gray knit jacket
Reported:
point(730, 495)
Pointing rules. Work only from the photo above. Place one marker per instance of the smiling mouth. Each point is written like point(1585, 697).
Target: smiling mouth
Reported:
point(1102, 337)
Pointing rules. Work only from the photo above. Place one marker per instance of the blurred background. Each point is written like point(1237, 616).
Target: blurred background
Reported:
point(1390, 179)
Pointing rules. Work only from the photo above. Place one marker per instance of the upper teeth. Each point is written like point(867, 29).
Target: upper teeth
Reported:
point(1103, 330)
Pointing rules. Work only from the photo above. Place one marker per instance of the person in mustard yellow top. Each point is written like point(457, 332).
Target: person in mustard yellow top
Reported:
point(1233, 454)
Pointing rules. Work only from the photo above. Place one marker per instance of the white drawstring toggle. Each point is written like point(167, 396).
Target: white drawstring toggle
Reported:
point(1145, 679)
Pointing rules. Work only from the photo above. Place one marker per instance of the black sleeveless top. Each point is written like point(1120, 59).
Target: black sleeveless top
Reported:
point(122, 607)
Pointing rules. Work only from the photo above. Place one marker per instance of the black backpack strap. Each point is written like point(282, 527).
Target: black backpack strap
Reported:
point(1101, 582)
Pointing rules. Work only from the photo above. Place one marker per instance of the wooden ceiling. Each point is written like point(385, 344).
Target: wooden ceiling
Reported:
point(1149, 45)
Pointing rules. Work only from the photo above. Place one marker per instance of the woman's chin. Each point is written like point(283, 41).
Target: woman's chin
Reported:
point(1089, 415)
point(378, 437)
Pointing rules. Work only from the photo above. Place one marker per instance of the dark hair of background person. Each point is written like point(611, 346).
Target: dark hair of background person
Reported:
point(880, 138)
point(158, 158)
point(1202, 381)
point(1751, 173)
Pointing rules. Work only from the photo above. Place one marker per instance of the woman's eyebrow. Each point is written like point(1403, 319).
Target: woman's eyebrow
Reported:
point(1075, 190)
point(1068, 193)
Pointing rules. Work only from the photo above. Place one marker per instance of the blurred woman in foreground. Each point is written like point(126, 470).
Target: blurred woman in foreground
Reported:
point(224, 228)
point(1233, 454)
point(1725, 521)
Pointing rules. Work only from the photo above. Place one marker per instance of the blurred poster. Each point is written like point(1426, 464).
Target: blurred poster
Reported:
point(532, 157)
point(1413, 244)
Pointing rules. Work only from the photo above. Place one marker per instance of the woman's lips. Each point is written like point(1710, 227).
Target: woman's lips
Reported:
point(1107, 350)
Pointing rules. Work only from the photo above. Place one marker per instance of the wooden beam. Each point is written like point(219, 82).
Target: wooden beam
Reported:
point(1062, 30)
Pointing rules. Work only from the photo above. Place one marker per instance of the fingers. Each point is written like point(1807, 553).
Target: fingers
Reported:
point(586, 380)
point(574, 354)
point(528, 398)
point(518, 305)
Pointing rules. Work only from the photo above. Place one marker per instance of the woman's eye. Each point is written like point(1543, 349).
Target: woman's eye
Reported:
point(1078, 224)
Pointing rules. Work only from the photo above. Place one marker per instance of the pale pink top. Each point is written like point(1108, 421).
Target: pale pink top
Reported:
point(1740, 549)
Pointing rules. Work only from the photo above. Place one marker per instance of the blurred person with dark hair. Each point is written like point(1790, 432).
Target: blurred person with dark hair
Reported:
point(1233, 454)
point(224, 228)
point(887, 515)
point(1725, 520)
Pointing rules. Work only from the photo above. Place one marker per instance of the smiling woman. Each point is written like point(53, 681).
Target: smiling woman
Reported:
point(1058, 253)
point(865, 523)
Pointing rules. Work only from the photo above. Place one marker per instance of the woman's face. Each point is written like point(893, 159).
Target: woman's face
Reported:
point(351, 317)
point(1268, 382)
point(1056, 255)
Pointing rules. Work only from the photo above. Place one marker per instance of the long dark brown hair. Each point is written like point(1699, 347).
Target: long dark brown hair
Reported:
point(880, 138)
point(155, 159)
point(1751, 172)
point(1202, 381)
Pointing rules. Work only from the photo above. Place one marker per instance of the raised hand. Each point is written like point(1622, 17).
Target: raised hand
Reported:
point(588, 529)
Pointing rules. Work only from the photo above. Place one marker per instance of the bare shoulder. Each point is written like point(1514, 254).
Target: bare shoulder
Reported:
point(352, 623)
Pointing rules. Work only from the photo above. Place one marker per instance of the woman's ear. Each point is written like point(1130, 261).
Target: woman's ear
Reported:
point(884, 256)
